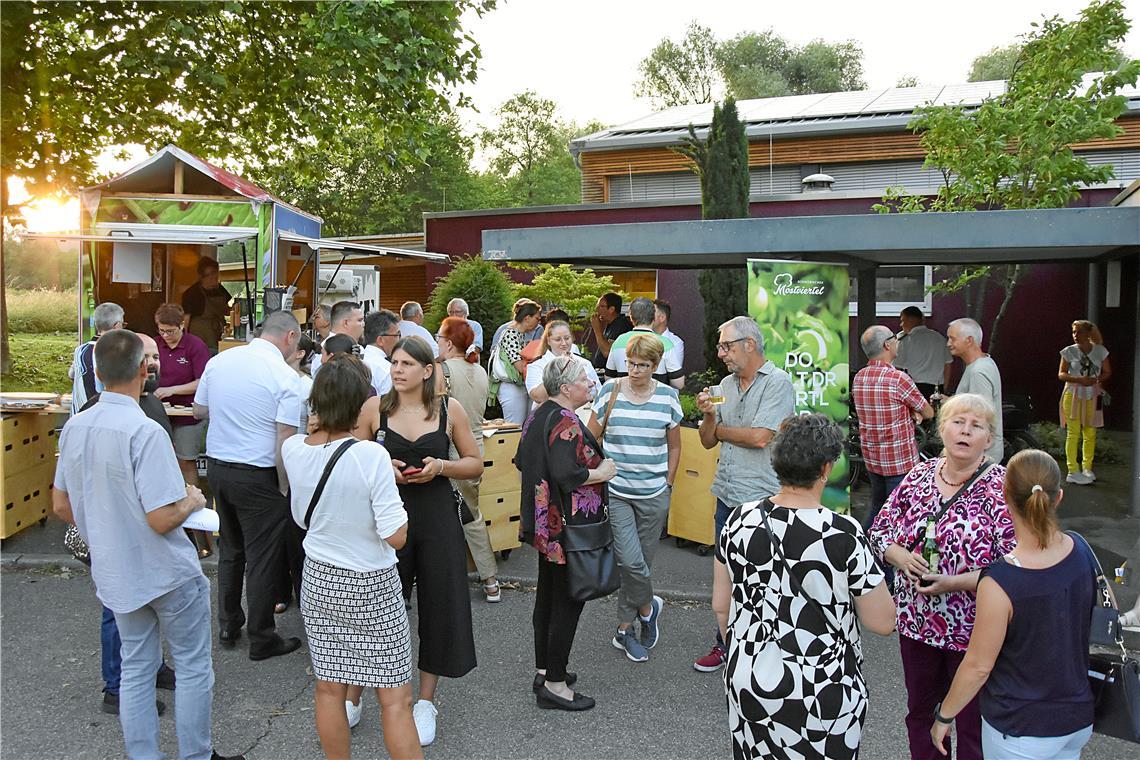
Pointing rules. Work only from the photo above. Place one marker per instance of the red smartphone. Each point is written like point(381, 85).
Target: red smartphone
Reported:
point(408, 471)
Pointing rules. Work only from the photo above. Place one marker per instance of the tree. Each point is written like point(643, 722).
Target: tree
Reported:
point(483, 285)
point(909, 80)
point(236, 82)
point(722, 163)
point(575, 290)
point(1013, 151)
point(675, 74)
point(999, 63)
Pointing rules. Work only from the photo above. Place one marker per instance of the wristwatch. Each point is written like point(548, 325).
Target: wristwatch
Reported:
point(939, 717)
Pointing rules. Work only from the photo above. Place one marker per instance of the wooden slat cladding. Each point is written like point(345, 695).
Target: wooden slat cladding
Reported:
point(402, 284)
point(598, 165)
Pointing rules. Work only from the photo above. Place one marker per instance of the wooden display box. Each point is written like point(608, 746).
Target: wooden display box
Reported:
point(692, 508)
point(501, 513)
point(499, 472)
point(29, 440)
point(26, 497)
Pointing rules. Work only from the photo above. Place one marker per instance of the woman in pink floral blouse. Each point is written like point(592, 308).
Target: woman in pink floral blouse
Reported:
point(936, 604)
point(563, 481)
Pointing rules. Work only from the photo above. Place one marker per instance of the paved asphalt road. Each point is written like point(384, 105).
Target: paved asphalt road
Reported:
point(659, 709)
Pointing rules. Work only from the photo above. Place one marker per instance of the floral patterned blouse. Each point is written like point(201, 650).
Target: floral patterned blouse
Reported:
point(975, 532)
point(554, 474)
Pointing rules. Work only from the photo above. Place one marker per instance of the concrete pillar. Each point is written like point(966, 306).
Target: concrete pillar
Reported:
point(1136, 406)
point(1095, 298)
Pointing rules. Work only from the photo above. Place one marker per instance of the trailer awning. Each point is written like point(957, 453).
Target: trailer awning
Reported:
point(151, 233)
point(340, 248)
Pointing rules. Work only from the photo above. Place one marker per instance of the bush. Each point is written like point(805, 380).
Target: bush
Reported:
point(42, 311)
point(576, 291)
point(689, 412)
point(485, 288)
point(1051, 437)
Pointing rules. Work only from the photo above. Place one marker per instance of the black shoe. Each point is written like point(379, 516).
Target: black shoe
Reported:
point(540, 680)
point(283, 646)
point(111, 704)
point(548, 700)
point(165, 679)
point(228, 639)
point(215, 756)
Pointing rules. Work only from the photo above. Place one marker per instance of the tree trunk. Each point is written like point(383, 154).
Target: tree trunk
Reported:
point(1012, 280)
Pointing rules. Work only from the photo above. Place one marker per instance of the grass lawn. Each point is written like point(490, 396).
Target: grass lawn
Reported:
point(40, 362)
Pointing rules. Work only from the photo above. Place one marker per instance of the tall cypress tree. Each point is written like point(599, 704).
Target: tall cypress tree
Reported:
point(722, 163)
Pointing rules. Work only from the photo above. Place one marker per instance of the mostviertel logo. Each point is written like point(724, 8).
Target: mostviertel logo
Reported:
point(786, 287)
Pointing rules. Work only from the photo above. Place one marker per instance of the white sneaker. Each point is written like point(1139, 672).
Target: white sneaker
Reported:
point(1089, 474)
point(1130, 619)
point(1079, 478)
point(424, 712)
point(353, 712)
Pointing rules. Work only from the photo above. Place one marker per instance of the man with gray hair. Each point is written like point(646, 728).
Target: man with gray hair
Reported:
point(251, 397)
point(84, 383)
point(981, 376)
point(757, 396)
point(642, 313)
point(412, 323)
point(118, 481)
point(458, 308)
point(888, 404)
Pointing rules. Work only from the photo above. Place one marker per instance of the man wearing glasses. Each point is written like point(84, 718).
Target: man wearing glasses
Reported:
point(757, 397)
point(888, 404)
point(381, 333)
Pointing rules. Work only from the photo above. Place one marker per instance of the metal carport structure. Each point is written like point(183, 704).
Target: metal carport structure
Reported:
point(863, 242)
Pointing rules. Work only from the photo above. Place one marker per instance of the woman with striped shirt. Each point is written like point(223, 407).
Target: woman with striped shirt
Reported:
point(636, 420)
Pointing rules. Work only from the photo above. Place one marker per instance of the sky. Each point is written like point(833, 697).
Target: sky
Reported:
point(583, 54)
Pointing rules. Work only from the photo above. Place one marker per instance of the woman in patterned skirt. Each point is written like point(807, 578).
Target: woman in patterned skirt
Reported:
point(792, 581)
point(354, 612)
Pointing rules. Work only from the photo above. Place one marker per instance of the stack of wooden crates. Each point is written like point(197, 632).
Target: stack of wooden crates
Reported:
point(500, 488)
point(26, 469)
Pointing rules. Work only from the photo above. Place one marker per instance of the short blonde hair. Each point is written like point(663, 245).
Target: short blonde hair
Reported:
point(646, 346)
point(962, 403)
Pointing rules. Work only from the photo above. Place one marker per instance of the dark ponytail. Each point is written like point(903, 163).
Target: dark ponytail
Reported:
point(1032, 485)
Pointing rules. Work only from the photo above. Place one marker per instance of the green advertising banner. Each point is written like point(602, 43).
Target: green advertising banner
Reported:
point(801, 309)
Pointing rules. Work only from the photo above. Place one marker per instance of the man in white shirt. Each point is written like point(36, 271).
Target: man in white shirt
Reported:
point(668, 370)
point(922, 352)
point(412, 323)
point(458, 308)
point(250, 396)
point(964, 338)
point(118, 481)
point(347, 319)
point(381, 334)
point(663, 311)
point(84, 383)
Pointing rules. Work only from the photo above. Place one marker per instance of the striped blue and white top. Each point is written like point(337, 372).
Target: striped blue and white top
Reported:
point(635, 439)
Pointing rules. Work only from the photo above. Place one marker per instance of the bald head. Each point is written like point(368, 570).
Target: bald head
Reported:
point(877, 342)
point(150, 353)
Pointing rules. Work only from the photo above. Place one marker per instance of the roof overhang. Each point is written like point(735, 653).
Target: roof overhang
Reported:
point(349, 247)
point(152, 233)
point(978, 237)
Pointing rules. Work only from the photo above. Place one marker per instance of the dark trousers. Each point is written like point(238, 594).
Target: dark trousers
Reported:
point(926, 389)
point(293, 554)
point(555, 620)
point(254, 515)
point(928, 672)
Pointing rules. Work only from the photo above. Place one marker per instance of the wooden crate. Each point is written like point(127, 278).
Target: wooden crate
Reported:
point(693, 507)
point(26, 497)
point(499, 472)
point(29, 440)
point(501, 513)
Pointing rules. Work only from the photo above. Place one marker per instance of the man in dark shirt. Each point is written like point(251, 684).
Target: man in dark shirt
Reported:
point(207, 304)
point(608, 323)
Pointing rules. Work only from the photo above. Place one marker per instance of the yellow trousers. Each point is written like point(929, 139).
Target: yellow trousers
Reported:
point(1078, 426)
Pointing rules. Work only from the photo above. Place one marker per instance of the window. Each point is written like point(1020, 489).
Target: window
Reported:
point(895, 289)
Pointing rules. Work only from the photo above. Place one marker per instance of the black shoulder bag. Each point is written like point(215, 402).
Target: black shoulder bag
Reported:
point(466, 516)
point(349, 443)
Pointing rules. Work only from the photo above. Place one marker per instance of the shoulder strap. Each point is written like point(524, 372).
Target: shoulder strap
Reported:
point(610, 407)
point(1098, 572)
point(983, 468)
point(325, 477)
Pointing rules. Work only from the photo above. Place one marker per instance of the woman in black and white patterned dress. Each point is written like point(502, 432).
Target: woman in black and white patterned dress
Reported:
point(795, 689)
point(351, 599)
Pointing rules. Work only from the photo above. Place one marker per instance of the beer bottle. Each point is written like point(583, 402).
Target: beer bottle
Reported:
point(930, 551)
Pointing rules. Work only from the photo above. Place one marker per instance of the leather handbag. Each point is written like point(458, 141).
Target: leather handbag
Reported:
point(1115, 682)
point(1104, 629)
point(591, 564)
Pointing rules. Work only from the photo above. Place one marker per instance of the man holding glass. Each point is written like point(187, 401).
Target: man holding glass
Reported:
point(757, 396)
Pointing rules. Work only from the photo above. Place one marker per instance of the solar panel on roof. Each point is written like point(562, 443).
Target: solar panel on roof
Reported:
point(843, 103)
point(902, 99)
point(770, 109)
point(970, 94)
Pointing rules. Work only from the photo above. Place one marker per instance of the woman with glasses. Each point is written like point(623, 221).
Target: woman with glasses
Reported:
point(463, 379)
point(563, 482)
point(637, 420)
point(557, 341)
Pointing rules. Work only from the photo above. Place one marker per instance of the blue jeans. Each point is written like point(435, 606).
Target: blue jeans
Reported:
point(1000, 746)
point(182, 617)
point(723, 511)
point(882, 486)
point(112, 647)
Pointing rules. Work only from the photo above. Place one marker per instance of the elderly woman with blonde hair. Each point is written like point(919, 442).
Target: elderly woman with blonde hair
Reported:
point(955, 503)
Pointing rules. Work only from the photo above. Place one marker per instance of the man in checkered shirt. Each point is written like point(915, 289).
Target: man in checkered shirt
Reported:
point(888, 404)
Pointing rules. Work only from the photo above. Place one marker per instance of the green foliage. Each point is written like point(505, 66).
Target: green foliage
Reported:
point(39, 264)
point(909, 80)
point(690, 414)
point(1051, 437)
point(40, 361)
point(996, 63)
point(483, 285)
point(43, 311)
point(575, 290)
point(750, 65)
point(1013, 151)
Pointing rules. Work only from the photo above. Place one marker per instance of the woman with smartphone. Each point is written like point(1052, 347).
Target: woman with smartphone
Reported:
point(418, 429)
point(961, 493)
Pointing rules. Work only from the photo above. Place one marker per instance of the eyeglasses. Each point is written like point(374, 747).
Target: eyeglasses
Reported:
point(169, 330)
point(640, 366)
point(726, 346)
point(392, 335)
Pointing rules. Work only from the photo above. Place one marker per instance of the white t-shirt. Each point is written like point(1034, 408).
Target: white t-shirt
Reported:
point(924, 355)
point(1084, 365)
point(409, 328)
point(535, 369)
point(359, 507)
point(667, 370)
point(381, 368)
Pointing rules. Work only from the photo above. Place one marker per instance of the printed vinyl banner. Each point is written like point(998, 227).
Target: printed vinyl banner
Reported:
point(801, 309)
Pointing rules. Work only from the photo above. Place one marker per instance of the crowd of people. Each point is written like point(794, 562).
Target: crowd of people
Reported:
point(345, 472)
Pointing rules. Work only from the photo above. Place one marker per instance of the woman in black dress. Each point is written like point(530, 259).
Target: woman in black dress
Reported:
point(416, 426)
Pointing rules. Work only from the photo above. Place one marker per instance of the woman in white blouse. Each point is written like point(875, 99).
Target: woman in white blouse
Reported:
point(351, 600)
point(557, 340)
point(1084, 369)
